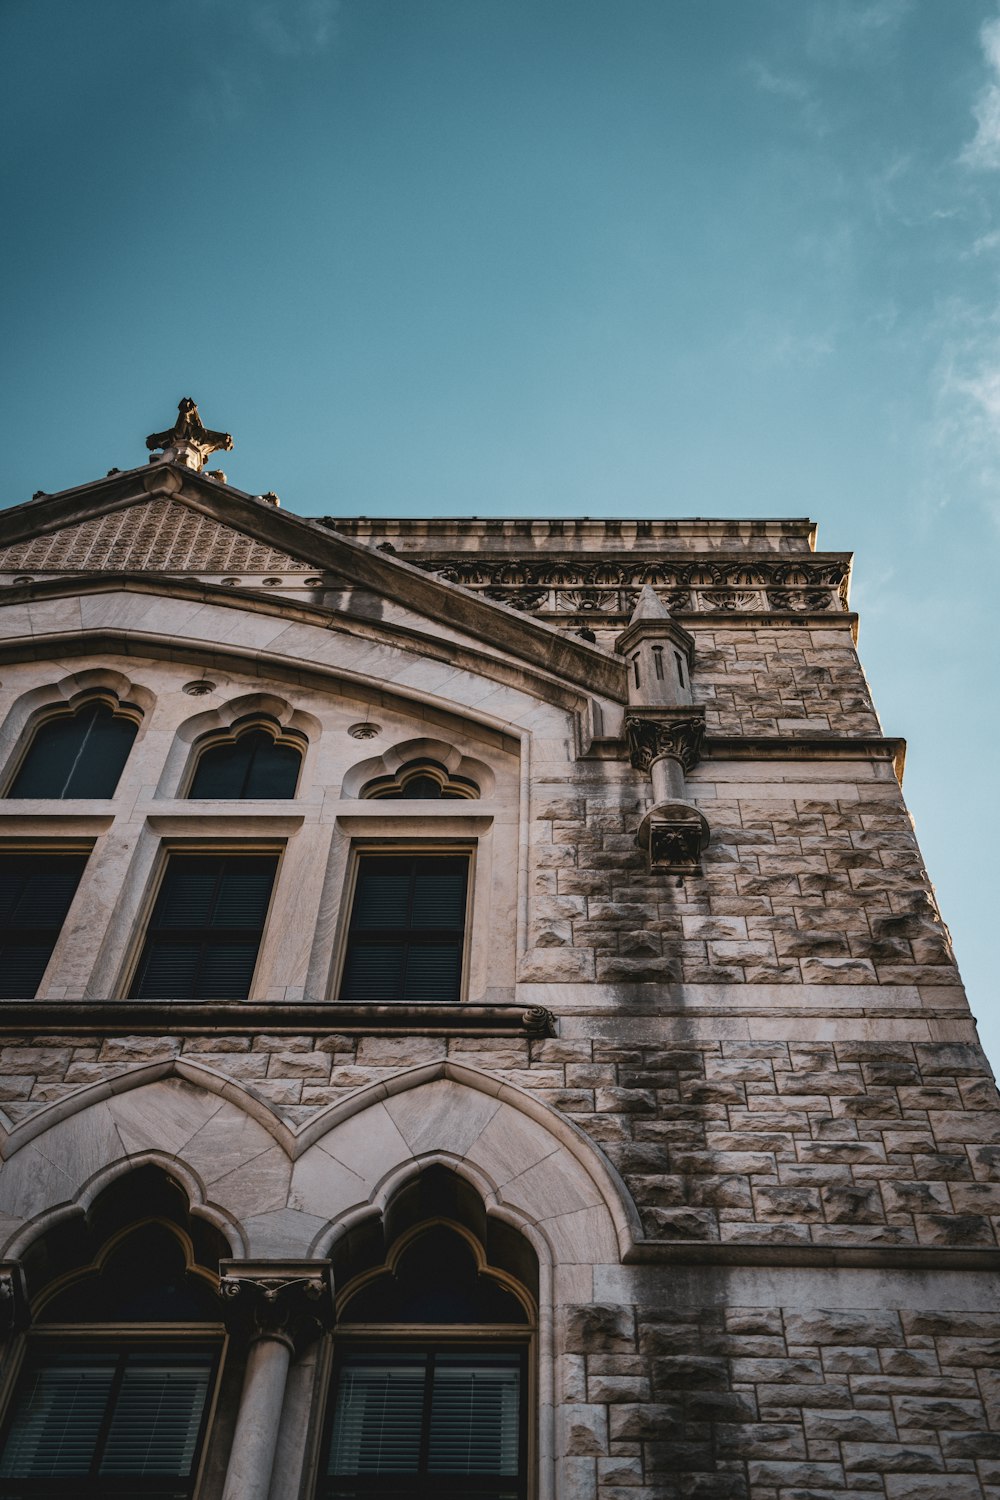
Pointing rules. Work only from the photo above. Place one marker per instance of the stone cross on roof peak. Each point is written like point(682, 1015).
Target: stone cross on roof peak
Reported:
point(188, 442)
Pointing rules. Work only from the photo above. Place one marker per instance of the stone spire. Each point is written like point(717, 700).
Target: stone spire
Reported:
point(188, 442)
point(649, 606)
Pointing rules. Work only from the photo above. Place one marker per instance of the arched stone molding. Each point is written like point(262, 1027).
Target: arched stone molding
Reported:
point(290, 1190)
point(66, 694)
point(268, 708)
point(392, 761)
point(201, 1207)
point(367, 657)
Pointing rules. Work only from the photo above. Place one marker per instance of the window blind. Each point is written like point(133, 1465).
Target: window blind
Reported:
point(253, 766)
point(76, 755)
point(35, 894)
point(447, 1417)
point(91, 1424)
point(407, 929)
point(206, 927)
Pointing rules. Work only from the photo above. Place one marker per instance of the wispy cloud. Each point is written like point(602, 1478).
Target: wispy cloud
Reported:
point(780, 84)
point(983, 151)
point(292, 28)
point(766, 344)
point(855, 30)
point(968, 398)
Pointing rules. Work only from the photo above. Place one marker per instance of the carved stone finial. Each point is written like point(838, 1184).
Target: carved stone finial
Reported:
point(188, 442)
point(659, 732)
point(291, 1301)
point(14, 1312)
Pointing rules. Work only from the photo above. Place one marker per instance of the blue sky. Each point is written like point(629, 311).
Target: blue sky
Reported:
point(656, 257)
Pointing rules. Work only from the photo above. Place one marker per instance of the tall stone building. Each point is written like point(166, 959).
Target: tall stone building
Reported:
point(476, 1020)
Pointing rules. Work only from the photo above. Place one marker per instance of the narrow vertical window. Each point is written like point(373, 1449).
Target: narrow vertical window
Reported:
point(35, 895)
point(407, 932)
point(658, 662)
point(678, 658)
point(76, 755)
point(205, 930)
point(635, 669)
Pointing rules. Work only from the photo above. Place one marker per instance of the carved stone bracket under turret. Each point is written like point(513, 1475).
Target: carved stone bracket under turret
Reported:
point(289, 1301)
point(188, 442)
point(666, 742)
point(655, 732)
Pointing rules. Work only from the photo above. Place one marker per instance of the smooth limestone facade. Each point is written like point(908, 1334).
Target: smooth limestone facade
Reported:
point(727, 1087)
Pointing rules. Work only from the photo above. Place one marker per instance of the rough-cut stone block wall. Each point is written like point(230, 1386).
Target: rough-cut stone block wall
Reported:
point(769, 680)
point(765, 1403)
point(809, 884)
point(847, 1143)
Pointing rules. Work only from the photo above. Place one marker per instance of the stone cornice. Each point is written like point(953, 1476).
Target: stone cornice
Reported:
point(654, 732)
point(895, 1257)
point(187, 1017)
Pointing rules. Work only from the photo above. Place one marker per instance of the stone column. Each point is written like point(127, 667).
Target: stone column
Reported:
point(665, 743)
point(277, 1307)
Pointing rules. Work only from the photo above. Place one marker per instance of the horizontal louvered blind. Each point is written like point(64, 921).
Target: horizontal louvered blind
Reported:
point(475, 1411)
point(57, 1420)
point(35, 894)
point(206, 927)
point(78, 755)
point(407, 929)
point(379, 1417)
point(157, 1417)
point(442, 1416)
point(253, 766)
point(79, 1421)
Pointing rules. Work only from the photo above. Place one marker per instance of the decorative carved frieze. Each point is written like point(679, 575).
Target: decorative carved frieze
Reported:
point(677, 732)
point(611, 586)
point(291, 1301)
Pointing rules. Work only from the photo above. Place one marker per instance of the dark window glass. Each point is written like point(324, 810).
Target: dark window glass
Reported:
point(430, 1421)
point(93, 1422)
point(206, 927)
point(407, 929)
point(422, 785)
point(76, 755)
point(251, 766)
point(35, 895)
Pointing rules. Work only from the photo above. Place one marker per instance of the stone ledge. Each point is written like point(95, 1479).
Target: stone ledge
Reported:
point(180, 1017)
point(901, 1257)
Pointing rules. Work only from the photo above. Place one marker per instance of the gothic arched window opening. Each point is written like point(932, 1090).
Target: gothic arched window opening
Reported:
point(255, 764)
point(78, 754)
point(424, 781)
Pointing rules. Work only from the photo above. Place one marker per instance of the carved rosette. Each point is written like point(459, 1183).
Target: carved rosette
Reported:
point(291, 1302)
point(658, 732)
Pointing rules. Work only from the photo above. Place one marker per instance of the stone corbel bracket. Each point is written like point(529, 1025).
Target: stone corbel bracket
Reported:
point(289, 1301)
point(14, 1311)
point(666, 743)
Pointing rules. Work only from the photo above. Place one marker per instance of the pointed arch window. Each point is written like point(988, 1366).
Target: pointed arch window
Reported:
point(255, 764)
point(80, 754)
point(114, 1394)
point(431, 1382)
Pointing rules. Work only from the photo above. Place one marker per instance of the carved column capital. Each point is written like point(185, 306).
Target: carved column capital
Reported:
point(14, 1311)
point(289, 1301)
point(675, 732)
